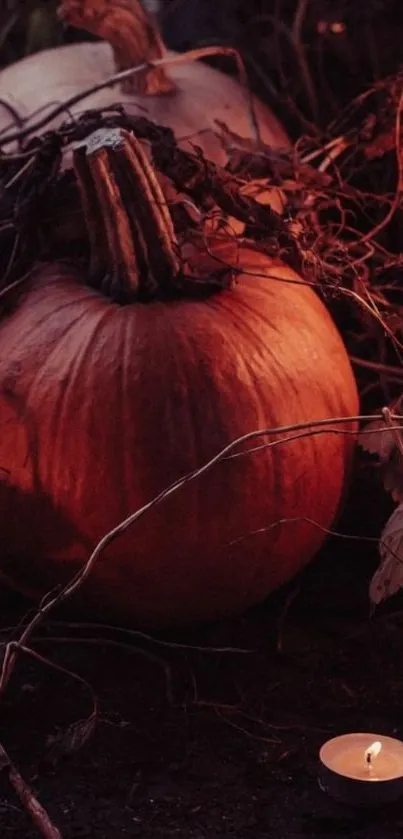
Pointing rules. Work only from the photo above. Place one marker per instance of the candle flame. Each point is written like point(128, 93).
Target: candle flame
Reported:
point(372, 751)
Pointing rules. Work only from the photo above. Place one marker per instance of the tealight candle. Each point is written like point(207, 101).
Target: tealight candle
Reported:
point(362, 768)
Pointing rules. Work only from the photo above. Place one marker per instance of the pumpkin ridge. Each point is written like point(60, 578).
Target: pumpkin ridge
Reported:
point(257, 397)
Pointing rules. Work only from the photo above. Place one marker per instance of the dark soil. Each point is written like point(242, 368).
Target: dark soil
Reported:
point(233, 753)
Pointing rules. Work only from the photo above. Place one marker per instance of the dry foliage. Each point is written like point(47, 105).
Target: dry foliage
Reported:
point(341, 230)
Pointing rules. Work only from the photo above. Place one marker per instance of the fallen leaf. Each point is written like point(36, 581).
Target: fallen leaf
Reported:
point(377, 438)
point(380, 439)
point(388, 578)
point(71, 739)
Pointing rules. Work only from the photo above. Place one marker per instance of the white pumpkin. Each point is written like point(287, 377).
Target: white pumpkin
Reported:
point(188, 97)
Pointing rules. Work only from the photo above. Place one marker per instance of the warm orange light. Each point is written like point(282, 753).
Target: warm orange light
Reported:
point(372, 751)
point(338, 27)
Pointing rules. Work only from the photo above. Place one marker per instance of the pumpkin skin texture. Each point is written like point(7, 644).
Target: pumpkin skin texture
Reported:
point(102, 407)
point(202, 96)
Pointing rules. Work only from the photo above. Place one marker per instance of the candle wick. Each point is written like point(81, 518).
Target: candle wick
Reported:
point(368, 758)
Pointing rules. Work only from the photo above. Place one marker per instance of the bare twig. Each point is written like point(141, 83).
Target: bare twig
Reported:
point(388, 369)
point(143, 636)
point(399, 188)
point(30, 802)
point(296, 34)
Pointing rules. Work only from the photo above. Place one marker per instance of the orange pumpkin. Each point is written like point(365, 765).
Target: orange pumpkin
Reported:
point(104, 405)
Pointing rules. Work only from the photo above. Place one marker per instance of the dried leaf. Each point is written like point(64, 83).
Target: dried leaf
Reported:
point(382, 440)
point(394, 321)
point(230, 139)
point(392, 475)
point(5, 761)
point(388, 578)
point(71, 739)
point(378, 439)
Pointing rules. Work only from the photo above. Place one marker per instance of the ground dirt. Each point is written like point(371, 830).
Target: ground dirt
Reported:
point(233, 752)
point(196, 745)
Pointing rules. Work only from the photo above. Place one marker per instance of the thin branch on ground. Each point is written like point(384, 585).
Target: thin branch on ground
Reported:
point(28, 799)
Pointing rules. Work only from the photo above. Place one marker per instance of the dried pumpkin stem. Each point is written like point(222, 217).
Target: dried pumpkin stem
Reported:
point(132, 34)
point(132, 238)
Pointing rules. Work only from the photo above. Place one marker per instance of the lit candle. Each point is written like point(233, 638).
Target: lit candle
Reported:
point(362, 768)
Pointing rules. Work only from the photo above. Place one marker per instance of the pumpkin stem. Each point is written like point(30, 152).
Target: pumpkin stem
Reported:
point(134, 251)
point(132, 34)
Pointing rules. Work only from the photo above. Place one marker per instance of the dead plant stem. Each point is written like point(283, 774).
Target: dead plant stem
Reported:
point(30, 802)
point(388, 417)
